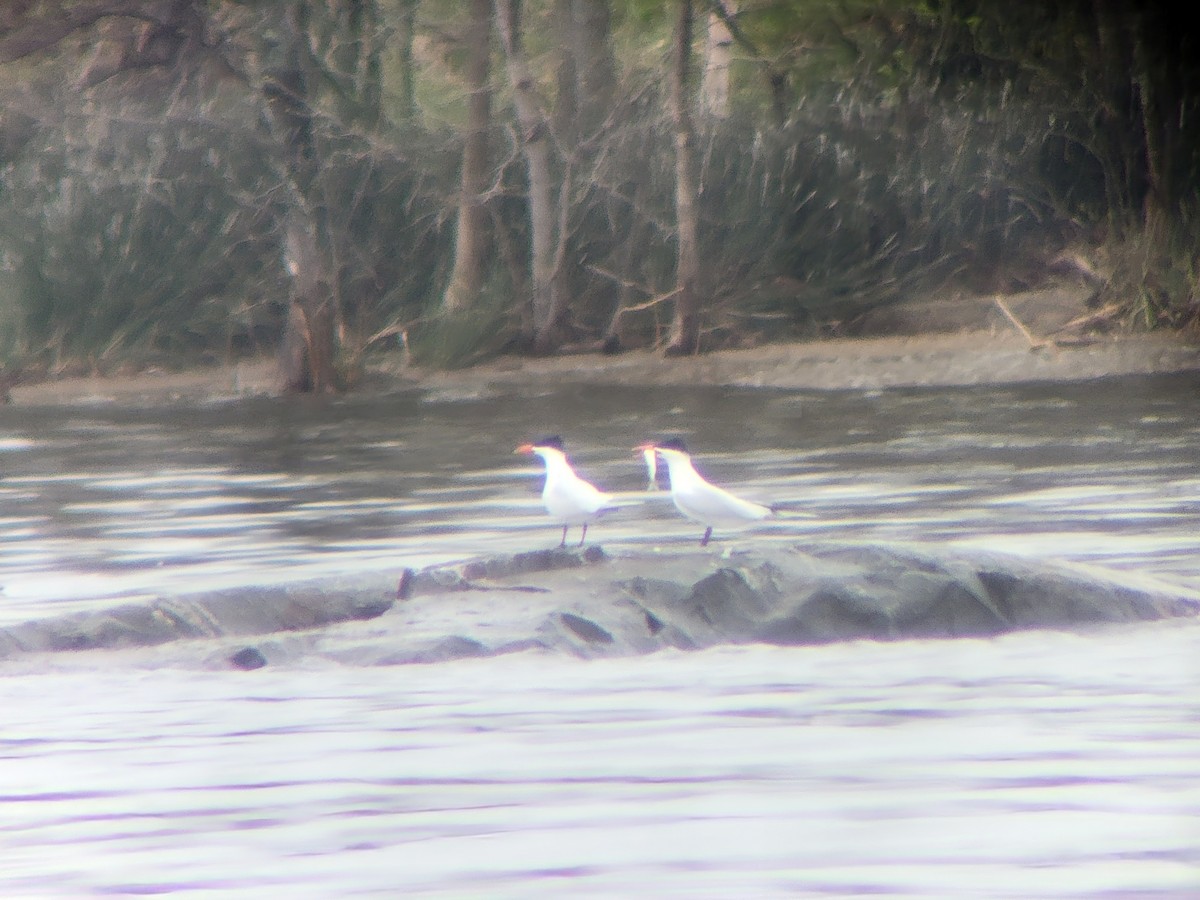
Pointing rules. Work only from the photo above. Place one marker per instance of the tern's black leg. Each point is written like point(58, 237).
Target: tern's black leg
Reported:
point(583, 537)
point(707, 535)
point(563, 542)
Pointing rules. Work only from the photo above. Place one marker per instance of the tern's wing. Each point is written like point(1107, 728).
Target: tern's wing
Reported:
point(711, 504)
point(589, 496)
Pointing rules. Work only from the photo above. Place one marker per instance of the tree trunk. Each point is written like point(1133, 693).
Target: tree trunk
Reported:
point(566, 99)
point(307, 360)
point(1156, 102)
point(586, 77)
point(718, 56)
point(467, 278)
point(685, 323)
point(595, 64)
point(543, 212)
point(1116, 142)
point(406, 70)
point(306, 246)
point(725, 11)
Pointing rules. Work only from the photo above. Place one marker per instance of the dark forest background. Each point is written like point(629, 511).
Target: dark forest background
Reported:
point(191, 180)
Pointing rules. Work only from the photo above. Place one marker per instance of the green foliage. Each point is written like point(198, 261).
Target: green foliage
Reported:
point(921, 144)
point(122, 243)
point(971, 140)
point(454, 341)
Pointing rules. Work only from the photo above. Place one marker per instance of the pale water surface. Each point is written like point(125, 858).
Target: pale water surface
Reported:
point(1035, 765)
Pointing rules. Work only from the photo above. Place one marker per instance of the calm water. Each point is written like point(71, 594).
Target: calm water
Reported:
point(1036, 765)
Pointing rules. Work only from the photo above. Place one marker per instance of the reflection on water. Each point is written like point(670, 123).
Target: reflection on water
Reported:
point(1034, 765)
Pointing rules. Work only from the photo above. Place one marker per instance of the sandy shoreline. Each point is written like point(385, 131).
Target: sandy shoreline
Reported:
point(962, 358)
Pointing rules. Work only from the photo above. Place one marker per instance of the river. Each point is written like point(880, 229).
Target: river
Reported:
point(1041, 764)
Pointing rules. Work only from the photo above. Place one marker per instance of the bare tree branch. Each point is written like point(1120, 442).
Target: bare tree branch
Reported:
point(37, 32)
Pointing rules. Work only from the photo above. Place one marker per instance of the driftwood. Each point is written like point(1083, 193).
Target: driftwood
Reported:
point(1100, 318)
point(1103, 317)
point(1034, 342)
point(606, 344)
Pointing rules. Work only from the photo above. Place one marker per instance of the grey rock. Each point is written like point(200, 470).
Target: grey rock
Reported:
point(212, 614)
point(589, 604)
point(248, 658)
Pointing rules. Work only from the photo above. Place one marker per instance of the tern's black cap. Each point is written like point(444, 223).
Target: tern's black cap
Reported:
point(552, 440)
point(673, 444)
